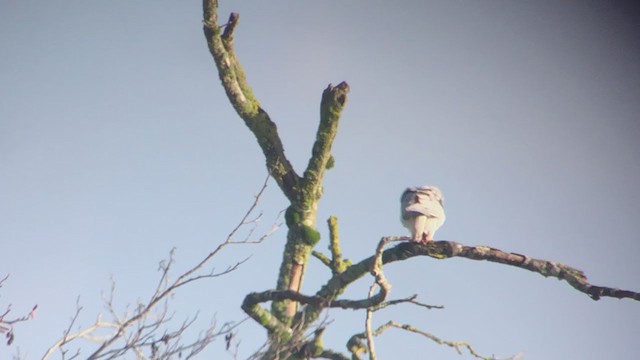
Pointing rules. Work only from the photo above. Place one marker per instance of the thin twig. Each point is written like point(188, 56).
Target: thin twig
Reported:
point(367, 326)
point(454, 344)
point(143, 328)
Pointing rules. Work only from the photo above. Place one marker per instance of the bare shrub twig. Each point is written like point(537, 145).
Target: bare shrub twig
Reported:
point(147, 329)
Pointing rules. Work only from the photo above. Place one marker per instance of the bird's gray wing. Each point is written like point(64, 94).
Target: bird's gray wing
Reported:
point(431, 209)
point(427, 203)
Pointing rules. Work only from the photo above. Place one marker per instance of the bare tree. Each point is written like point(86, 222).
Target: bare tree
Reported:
point(149, 330)
point(292, 320)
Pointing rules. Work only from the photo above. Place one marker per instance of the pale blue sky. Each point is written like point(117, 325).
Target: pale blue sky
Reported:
point(117, 143)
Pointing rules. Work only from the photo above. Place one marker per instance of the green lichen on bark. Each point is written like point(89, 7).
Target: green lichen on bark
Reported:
point(338, 265)
point(300, 240)
point(311, 236)
point(280, 307)
point(266, 319)
point(303, 192)
point(301, 217)
point(333, 102)
point(323, 258)
point(244, 101)
point(331, 163)
point(292, 217)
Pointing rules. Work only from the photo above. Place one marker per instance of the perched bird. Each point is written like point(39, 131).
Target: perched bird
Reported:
point(422, 211)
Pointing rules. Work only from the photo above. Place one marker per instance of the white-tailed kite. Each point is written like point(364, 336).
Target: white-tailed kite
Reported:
point(422, 211)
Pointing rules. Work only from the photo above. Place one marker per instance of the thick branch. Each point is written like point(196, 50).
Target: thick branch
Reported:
point(333, 101)
point(244, 101)
point(447, 249)
point(574, 277)
point(264, 317)
point(255, 298)
point(303, 193)
point(302, 213)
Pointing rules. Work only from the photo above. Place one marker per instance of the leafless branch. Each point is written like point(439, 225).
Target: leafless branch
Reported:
point(356, 347)
point(448, 249)
point(7, 325)
point(411, 299)
point(574, 277)
point(323, 258)
point(145, 329)
point(457, 345)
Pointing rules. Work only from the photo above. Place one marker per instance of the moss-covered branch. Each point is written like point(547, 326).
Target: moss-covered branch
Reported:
point(265, 318)
point(333, 102)
point(323, 259)
point(576, 278)
point(312, 300)
point(448, 249)
point(336, 263)
point(244, 101)
point(327, 296)
point(302, 214)
point(302, 192)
